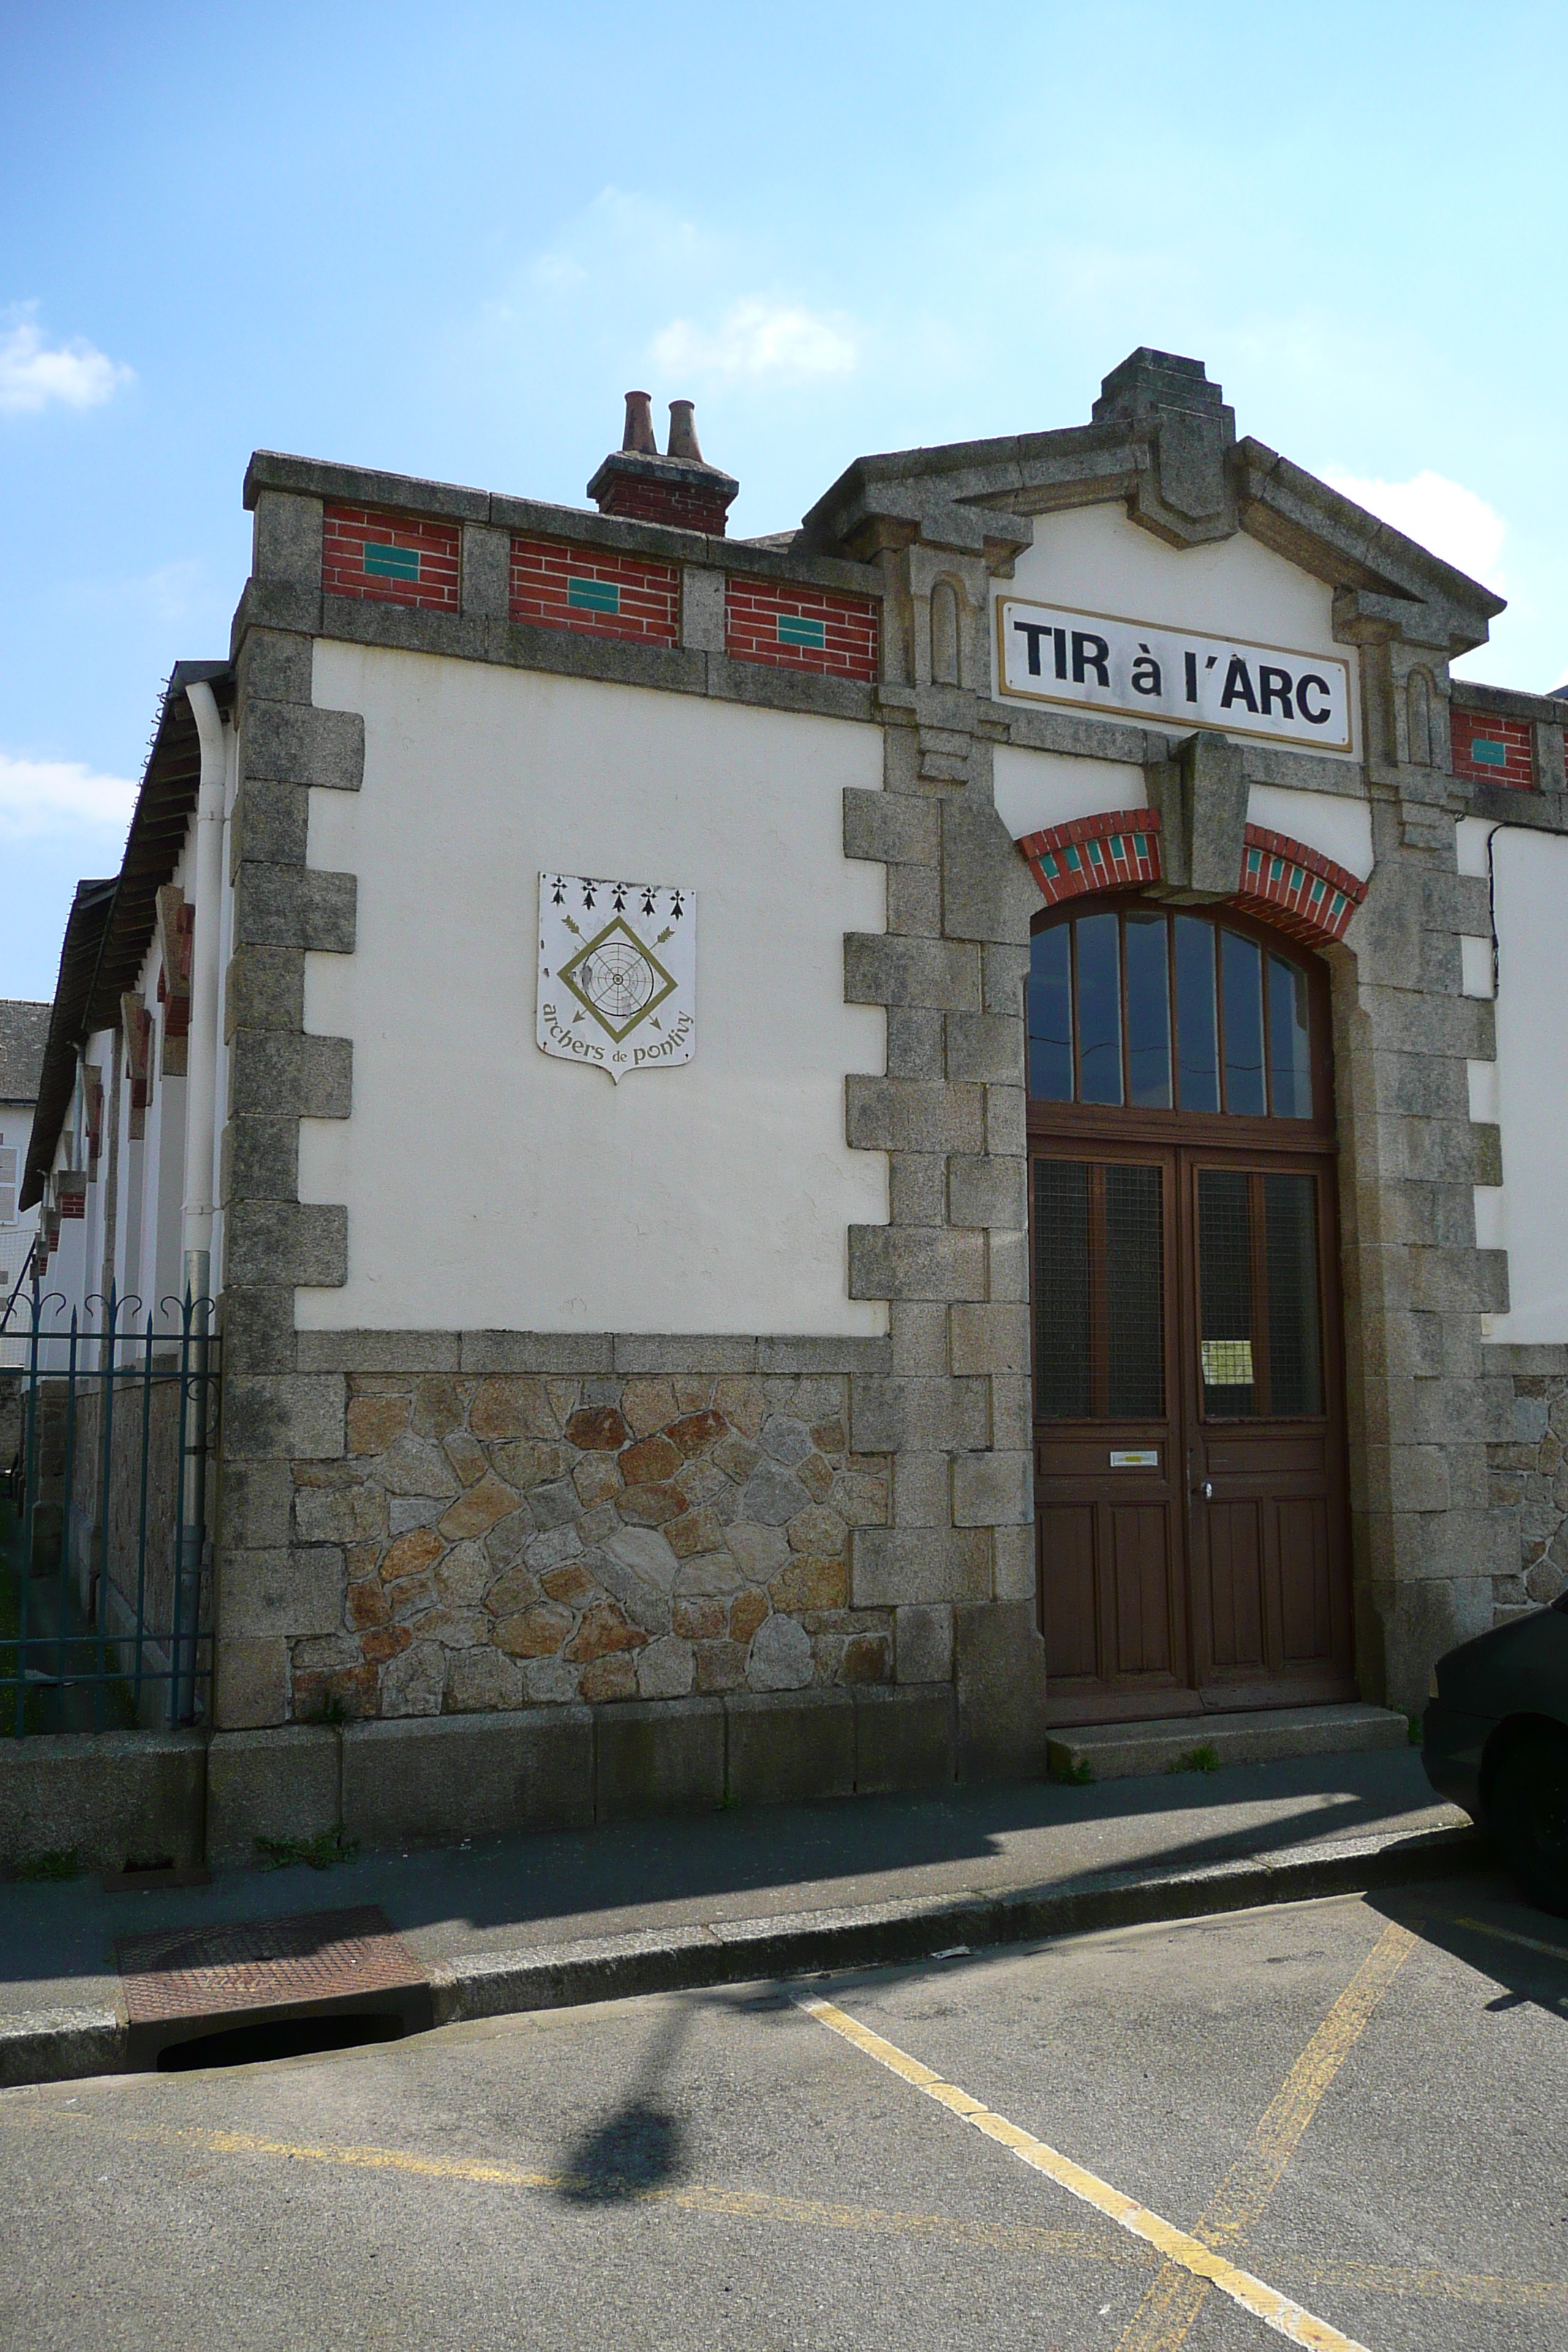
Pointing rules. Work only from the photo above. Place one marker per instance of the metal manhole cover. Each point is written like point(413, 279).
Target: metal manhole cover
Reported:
point(185, 1981)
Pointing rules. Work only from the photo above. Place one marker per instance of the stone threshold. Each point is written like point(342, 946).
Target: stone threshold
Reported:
point(1120, 1751)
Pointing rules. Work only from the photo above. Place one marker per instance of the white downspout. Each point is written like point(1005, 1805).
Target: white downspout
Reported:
point(201, 1091)
point(201, 1131)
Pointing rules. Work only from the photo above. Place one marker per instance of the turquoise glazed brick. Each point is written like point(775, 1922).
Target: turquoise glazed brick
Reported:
point(1488, 754)
point(390, 563)
point(594, 596)
point(794, 630)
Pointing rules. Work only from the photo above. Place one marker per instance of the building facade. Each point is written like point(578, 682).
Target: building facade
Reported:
point(1066, 1232)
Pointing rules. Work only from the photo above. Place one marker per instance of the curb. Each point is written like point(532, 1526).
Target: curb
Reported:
point(57, 2045)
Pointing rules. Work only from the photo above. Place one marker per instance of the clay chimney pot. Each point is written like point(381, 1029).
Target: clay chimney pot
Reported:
point(684, 431)
point(639, 433)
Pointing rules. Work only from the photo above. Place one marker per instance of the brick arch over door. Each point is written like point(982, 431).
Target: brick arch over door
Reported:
point(1281, 881)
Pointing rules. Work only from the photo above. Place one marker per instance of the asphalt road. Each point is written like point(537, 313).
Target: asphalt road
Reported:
point(1356, 2108)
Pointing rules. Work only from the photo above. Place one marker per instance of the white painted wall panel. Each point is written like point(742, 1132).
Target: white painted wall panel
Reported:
point(1036, 789)
point(1330, 823)
point(489, 1185)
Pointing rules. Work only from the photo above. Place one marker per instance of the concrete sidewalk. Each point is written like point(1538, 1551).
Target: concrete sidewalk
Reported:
point(639, 1906)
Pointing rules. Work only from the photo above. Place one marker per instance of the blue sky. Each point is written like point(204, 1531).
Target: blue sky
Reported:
point(445, 240)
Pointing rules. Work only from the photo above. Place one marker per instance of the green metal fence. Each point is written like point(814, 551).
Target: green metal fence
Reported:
point(105, 1579)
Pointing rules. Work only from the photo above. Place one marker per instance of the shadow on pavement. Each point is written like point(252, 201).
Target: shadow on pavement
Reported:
point(640, 2145)
point(1482, 1923)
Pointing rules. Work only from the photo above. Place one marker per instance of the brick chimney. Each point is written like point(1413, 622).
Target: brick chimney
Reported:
point(680, 489)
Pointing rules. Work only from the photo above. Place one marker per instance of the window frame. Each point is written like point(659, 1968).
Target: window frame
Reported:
point(1222, 1127)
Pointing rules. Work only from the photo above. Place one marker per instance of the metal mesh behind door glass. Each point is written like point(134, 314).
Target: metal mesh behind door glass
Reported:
point(1061, 1290)
point(1100, 1283)
point(1225, 1295)
point(1291, 1252)
point(1134, 1293)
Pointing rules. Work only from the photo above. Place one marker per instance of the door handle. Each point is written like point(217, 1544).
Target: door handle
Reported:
point(1205, 1489)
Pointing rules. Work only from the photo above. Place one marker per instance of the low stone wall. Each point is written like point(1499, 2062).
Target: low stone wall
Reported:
point(493, 1543)
point(113, 1798)
point(392, 1785)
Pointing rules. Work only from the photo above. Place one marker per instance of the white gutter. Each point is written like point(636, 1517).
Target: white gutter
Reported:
point(201, 1087)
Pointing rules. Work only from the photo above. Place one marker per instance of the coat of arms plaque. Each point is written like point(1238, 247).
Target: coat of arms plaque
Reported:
point(618, 973)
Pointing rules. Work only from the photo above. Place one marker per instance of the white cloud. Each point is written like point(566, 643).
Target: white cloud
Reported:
point(34, 373)
point(756, 339)
point(53, 796)
point(1442, 516)
point(173, 593)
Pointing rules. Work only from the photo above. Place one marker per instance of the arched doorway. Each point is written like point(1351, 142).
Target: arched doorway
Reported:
point(1189, 1408)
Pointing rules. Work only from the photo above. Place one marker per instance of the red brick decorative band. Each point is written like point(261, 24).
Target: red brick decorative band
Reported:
point(556, 584)
point(390, 558)
point(1306, 894)
point(1487, 750)
point(1295, 888)
point(1112, 852)
point(801, 628)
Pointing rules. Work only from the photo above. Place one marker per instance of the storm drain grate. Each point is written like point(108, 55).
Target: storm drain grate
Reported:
point(184, 1983)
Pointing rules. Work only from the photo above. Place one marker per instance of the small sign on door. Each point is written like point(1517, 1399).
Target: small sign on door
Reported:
point(1135, 1458)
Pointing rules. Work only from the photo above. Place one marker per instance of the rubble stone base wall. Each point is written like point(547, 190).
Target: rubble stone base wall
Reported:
point(1528, 1478)
point(490, 1543)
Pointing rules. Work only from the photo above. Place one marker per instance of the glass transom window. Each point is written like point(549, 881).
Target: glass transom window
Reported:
point(1155, 1009)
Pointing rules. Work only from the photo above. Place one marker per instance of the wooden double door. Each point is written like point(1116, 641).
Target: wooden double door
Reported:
point(1189, 1433)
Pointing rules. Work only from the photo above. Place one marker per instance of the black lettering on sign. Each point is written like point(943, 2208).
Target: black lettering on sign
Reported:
point(1237, 686)
point(1312, 718)
point(1032, 631)
point(1146, 672)
point(1060, 639)
point(1190, 664)
point(1089, 653)
point(1274, 685)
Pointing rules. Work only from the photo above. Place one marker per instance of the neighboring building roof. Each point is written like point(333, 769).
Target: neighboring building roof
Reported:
point(111, 923)
point(24, 1027)
point(85, 928)
point(164, 805)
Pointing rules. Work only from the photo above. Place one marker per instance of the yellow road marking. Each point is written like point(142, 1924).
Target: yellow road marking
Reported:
point(30, 2107)
point(1166, 2314)
point(1512, 1936)
point(1266, 2303)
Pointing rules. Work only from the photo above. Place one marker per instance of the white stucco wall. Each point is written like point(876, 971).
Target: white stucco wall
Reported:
point(1527, 1093)
point(490, 1186)
point(1330, 823)
point(1097, 560)
point(1036, 789)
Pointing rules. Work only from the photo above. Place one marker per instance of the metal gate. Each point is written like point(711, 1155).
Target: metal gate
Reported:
point(105, 1441)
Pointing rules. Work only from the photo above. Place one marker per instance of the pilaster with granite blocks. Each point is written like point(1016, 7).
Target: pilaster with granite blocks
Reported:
point(269, 1589)
point(957, 1560)
point(1425, 1399)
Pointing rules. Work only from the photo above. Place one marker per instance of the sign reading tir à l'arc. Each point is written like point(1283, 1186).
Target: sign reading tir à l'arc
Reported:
point(1096, 662)
point(618, 973)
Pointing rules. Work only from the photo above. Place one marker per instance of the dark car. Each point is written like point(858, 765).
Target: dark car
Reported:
point(1495, 1740)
